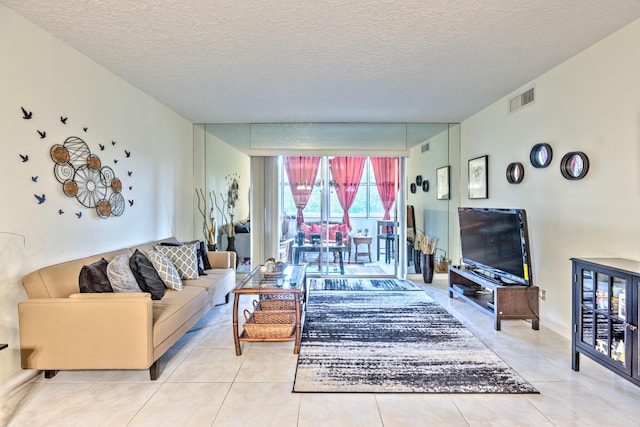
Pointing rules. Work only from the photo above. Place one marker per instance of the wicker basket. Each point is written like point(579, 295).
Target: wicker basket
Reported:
point(273, 315)
point(276, 304)
point(266, 330)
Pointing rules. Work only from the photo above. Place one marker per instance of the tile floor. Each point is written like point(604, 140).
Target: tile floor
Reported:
point(203, 383)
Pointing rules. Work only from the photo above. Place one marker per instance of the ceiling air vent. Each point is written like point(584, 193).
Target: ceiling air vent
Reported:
point(522, 99)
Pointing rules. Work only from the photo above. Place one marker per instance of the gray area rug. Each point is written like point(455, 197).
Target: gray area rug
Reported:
point(363, 285)
point(394, 342)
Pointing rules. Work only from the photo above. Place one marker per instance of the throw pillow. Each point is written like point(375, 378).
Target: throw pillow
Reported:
point(94, 279)
point(184, 258)
point(201, 254)
point(146, 275)
point(166, 270)
point(121, 276)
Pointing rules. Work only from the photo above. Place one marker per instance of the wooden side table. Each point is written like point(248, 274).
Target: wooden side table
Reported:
point(362, 240)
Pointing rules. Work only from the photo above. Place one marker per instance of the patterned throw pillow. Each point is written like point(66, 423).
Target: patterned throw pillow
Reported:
point(146, 275)
point(121, 276)
point(184, 258)
point(166, 270)
point(93, 278)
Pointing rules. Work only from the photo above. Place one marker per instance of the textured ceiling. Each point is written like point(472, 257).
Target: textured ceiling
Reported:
point(328, 60)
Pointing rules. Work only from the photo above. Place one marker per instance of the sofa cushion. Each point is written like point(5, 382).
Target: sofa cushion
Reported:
point(175, 310)
point(94, 278)
point(166, 270)
point(183, 257)
point(146, 275)
point(120, 275)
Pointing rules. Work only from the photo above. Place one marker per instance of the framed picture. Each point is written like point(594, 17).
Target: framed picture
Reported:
point(442, 183)
point(479, 178)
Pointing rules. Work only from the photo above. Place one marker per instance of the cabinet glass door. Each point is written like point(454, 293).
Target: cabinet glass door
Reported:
point(602, 314)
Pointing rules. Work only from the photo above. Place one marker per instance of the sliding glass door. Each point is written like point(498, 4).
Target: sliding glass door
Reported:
point(340, 214)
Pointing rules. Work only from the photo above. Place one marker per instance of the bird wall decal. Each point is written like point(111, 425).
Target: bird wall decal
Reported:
point(130, 187)
point(43, 134)
point(85, 129)
point(26, 114)
point(41, 199)
point(34, 178)
point(113, 143)
point(63, 120)
point(79, 215)
point(24, 157)
point(101, 147)
point(115, 161)
point(60, 211)
point(130, 202)
point(127, 153)
point(129, 173)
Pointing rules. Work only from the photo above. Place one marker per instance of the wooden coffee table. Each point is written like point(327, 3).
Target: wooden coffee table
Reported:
point(293, 284)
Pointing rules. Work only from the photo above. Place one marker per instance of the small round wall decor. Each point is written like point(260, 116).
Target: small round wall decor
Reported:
point(425, 185)
point(418, 180)
point(574, 165)
point(413, 187)
point(515, 173)
point(541, 155)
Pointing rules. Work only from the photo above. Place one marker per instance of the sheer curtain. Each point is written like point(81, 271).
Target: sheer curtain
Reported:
point(387, 173)
point(302, 172)
point(346, 173)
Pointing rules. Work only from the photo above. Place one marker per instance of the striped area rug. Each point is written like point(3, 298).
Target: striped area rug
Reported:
point(363, 285)
point(394, 342)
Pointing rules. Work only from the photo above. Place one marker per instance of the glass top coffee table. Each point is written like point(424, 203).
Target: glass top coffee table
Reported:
point(291, 285)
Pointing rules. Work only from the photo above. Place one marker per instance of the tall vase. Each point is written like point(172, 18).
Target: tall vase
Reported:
point(426, 261)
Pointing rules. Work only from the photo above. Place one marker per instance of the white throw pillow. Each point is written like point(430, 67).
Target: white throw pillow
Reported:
point(166, 270)
point(120, 275)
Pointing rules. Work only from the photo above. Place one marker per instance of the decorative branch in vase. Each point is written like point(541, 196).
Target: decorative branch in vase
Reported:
point(427, 246)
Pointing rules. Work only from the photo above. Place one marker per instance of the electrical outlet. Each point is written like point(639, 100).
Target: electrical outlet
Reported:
point(543, 294)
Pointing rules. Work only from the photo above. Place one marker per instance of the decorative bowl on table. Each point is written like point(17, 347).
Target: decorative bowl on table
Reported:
point(273, 267)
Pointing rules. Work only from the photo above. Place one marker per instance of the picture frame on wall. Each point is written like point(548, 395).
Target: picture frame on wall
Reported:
point(479, 178)
point(442, 183)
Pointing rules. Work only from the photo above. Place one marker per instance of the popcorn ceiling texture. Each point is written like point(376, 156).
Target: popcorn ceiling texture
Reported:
point(332, 60)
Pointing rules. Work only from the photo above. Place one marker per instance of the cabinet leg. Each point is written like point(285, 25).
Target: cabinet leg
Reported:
point(535, 324)
point(496, 323)
point(575, 360)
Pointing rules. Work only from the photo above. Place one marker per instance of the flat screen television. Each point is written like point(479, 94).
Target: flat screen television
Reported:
point(495, 242)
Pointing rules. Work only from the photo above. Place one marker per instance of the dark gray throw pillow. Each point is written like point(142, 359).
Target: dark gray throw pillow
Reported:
point(146, 275)
point(94, 279)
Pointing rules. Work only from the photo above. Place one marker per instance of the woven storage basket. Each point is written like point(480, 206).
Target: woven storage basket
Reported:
point(277, 304)
point(273, 316)
point(266, 330)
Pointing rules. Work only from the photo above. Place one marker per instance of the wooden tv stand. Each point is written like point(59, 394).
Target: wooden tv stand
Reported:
point(502, 302)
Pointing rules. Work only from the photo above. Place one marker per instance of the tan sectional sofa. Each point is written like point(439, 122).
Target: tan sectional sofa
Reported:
point(63, 329)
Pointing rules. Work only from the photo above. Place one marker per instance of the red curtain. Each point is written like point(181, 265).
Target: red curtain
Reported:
point(302, 172)
point(387, 173)
point(346, 173)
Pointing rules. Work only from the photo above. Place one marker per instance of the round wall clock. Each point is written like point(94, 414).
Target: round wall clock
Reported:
point(515, 173)
point(574, 165)
point(541, 155)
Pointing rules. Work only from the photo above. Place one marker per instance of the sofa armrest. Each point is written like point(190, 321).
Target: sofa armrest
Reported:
point(222, 259)
point(87, 331)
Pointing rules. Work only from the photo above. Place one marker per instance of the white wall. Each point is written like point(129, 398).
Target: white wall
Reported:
point(51, 79)
point(589, 103)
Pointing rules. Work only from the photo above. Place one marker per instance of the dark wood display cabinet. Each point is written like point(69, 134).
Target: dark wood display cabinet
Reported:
point(605, 314)
point(502, 302)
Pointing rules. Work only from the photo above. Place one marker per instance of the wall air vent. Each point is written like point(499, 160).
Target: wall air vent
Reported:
point(519, 101)
point(425, 147)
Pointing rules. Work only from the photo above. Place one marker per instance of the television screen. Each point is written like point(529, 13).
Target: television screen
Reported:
point(497, 242)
